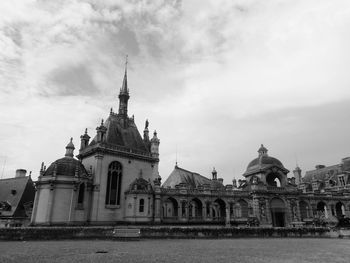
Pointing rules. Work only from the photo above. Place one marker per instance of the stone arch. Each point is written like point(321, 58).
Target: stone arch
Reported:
point(339, 209)
point(219, 209)
point(275, 179)
point(278, 212)
point(321, 209)
point(170, 207)
point(240, 209)
point(197, 208)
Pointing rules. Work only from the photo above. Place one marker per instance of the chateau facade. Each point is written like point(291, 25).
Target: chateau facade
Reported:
point(115, 180)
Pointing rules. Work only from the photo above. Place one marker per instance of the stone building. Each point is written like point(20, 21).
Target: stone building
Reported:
point(115, 180)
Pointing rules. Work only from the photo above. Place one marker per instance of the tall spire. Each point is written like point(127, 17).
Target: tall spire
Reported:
point(124, 93)
point(124, 89)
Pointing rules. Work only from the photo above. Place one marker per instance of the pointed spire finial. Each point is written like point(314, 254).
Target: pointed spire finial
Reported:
point(102, 122)
point(124, 89)
point(85, 130)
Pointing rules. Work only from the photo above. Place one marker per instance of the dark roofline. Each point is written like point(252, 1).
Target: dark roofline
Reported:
point(177, 167)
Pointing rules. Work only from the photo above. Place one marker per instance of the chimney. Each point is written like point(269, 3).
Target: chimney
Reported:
point(21, 173)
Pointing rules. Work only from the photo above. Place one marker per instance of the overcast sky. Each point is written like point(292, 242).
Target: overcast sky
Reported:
point(215, 79)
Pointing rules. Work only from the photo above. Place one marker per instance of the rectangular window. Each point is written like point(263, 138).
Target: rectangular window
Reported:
point(142, 205)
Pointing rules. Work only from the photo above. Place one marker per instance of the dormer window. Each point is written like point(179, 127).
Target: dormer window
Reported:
point(341, 180)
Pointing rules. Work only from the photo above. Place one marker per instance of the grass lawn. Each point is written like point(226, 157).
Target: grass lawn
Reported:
point(179, 250)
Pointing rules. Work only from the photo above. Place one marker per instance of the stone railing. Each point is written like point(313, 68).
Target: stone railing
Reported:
point(276, 188)
point(116, 148)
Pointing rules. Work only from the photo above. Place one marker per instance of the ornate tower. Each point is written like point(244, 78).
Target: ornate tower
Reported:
point(297, 175)
point(124, 94)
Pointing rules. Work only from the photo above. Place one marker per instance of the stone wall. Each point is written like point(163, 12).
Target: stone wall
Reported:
point(59, 233)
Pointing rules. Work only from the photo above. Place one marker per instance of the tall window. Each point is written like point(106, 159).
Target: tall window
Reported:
point(142, 205)
point(81, 193)
point(114, 180)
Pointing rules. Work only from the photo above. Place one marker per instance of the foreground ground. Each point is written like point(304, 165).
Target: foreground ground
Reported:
point(189, 250)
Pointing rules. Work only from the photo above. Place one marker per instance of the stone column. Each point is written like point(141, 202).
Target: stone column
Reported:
point(289, 213)
point(96, 187)
point(227, 219)
point(50, 204)
point(35, 205)
point(298, 211)
point(268, 212)
point(135, 207)
point(326, 212)
point(343, 210)
point(157, 209)
point(179, 211)
point(204, 212)
point(211, 211)
point(255, 206)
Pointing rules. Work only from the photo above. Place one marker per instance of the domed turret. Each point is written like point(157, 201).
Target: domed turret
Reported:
point(68, 165)
point(263, 161)
point(266, 169)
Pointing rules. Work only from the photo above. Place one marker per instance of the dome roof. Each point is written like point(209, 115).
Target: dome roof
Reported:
point(263, 162)
point(66, 166)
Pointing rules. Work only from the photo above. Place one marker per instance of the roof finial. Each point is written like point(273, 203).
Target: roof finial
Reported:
point(262, 150)
point(70, 148)
point(85, 130)
point(102, 122)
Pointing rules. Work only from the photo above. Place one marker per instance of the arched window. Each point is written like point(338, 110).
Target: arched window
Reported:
point(114, 181)
point(142, 205)
point(81, 193)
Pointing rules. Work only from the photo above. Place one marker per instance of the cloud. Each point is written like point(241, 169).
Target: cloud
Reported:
point(208, 74)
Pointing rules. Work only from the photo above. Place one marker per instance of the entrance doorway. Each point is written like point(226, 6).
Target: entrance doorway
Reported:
point(277, 212)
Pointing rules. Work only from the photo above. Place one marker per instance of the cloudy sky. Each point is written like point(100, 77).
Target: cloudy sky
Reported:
point(215, 79)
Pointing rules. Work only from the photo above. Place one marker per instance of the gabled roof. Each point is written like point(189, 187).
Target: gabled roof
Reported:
point(182, 176)
point(123, 134)
point(16, 192)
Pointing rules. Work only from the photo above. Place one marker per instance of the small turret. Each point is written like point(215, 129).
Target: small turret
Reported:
point(155, 145)
point(70, 149)
point(297, 175)
point(214, 174)
point(262, 151)
point(84, 139)
point(21, 173)
point(146, 132)
point(101, 132)
point(234, 183)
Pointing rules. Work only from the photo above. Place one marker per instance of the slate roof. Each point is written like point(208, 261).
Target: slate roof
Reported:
point(262, 163)
point(66, 166)
point(323, 174)
point(180, 175)
point(123, 135)
point(16, 192)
